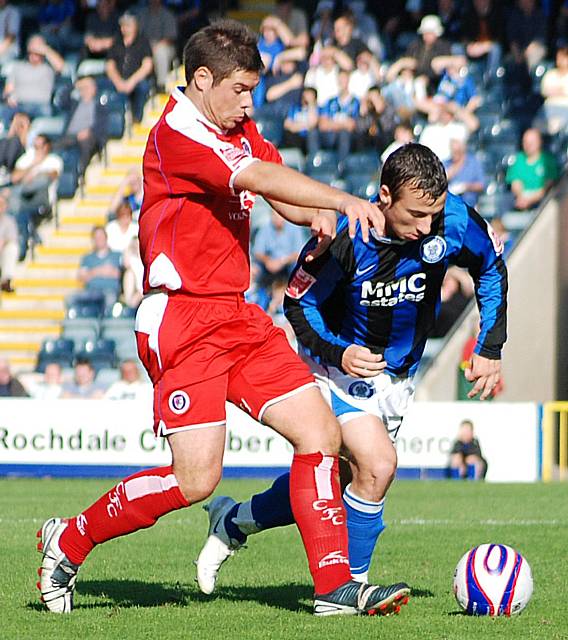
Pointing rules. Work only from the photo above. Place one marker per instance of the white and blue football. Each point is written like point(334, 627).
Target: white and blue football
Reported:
point(493, 580)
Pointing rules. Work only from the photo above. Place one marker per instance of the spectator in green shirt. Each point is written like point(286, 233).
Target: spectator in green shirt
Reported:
point(532, 173)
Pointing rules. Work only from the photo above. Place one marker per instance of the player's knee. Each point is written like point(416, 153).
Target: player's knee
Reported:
point(197, 484)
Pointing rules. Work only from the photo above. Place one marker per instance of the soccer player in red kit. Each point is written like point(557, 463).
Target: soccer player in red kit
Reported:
point(203, 345)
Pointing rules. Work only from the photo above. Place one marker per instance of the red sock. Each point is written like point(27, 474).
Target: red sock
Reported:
point(135, 503)
point(319, 513)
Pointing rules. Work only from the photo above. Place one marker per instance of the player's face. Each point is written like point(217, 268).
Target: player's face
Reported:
point(228, 102)
point(411, 216)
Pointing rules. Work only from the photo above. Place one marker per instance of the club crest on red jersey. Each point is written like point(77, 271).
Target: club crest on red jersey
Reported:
point(299, 284)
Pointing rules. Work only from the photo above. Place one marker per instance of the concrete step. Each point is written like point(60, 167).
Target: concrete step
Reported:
point(33, 284)
point(20, 363)
point(81, 220)
point(31, 314)
point(27, 301)
point(59, 252)
point(30, 333)
point(67, 270)
point(20, 346)
point(100, 189)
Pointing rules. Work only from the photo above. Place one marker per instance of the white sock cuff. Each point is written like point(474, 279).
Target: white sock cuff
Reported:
point(361, 504)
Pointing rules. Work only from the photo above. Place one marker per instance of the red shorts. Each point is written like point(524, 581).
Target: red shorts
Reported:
point(201, 352)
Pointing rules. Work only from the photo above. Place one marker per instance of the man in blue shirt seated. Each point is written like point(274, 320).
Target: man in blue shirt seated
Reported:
point(100, 269)
point(466, 176)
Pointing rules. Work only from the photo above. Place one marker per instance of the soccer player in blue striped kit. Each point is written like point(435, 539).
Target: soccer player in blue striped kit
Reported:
point(362, 313)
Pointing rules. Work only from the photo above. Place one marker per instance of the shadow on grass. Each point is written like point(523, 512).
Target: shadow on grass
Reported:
point(136, 593)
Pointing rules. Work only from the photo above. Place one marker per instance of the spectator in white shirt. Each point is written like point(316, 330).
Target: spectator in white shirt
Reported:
point(130, 386)
point(121, 230)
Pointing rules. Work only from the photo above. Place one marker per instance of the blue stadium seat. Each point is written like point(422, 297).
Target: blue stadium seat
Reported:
point(293, 157)
point(60, 350)
point(323, 161)
point(84, 305)
point(271, 128)
point(363, 187)
point(69, 178)
point(100, 352)
point(361, 163)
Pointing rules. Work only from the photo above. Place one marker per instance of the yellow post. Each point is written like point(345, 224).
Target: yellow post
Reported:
point(549, 431)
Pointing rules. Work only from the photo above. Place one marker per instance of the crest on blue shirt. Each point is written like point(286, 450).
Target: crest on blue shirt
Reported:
point(361, 389)
point(433, 249)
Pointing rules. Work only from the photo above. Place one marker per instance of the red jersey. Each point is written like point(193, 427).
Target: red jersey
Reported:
point(194, 228)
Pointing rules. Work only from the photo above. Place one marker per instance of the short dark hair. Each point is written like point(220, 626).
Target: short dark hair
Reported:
point(416, 167)
point(223, 47)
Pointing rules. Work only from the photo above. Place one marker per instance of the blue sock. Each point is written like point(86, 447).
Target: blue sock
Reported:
point(470, 472)
point(455, 473)
point(364, 524)
point(272, 508)
point(265, 510)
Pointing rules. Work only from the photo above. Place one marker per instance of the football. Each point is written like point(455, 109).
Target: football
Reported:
point(493, 580)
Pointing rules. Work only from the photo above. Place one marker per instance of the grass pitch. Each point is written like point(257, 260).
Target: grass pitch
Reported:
point(142, 586)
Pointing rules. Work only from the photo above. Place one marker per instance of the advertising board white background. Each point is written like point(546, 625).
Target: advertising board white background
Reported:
point(107, 432)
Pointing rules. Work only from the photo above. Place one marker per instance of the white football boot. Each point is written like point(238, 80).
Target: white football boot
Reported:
point(219, 547)
point(57, 573)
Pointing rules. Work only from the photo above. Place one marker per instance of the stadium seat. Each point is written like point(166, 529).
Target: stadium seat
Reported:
point(59, 350)
point(362, 163)
point(363, 187)
point(518, 220)
point(91, 67)
point(85, 306)
point(69, 178)
point(293, 157)
point(78, 331)
point(323, 161)
point(107, 376)
point(495, 205)
point(101, 352)
point(51, 126)
point(326, 176)
point(271, 128)
point(61, 97)
point(119, 310)
point(502, 132)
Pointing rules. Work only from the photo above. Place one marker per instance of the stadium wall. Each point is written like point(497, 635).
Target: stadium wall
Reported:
point(535, 356)
point(100, 438)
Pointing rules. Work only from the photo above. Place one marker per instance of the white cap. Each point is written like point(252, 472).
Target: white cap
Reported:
point(431, 24)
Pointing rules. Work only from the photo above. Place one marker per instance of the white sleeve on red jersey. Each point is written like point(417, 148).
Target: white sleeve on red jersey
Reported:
point(194, 160)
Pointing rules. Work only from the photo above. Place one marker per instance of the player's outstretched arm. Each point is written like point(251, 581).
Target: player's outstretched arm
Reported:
point(486, 374)
point(276, 182)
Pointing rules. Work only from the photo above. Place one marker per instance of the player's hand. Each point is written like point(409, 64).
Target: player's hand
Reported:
point(323, 227)
point(359, 362)
point(364, 212)
point(485, 373)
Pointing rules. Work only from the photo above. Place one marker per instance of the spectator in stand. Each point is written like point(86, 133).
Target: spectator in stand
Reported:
point(274, 36)
point(100, 270)
point(10, 23)
point(322, 24)
point(296, 21)
point(30, 82)
point(83, 384)
point(50, 387)
point(86, 123)
point(338, 119)
point(101, 30)
point(483, 30)
point(9, 247)
point(130, 386)
point(403, 134)
point(457, 87)
point(133, 276)
point(10, 386)
point(365, 27)
point(55, 20)
point(445, 124)
point(526, 33)
point(428, 54)
point(554, 90)
point(34, 185)
point(130, 189)
point(450, 14)
point(129, 65)
point(14, 145)
point(300, 125)
point(346, 46)
point(284, 88)
point(190, 17)
point(503, 236)
point(403, 90)
point(367, 74)
point(276, 248)
point(532, 173)
point(466, 177)
point(466, 460)
point(122, 229)
point(376, 123)
point(323, 76)
point(158, 24)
